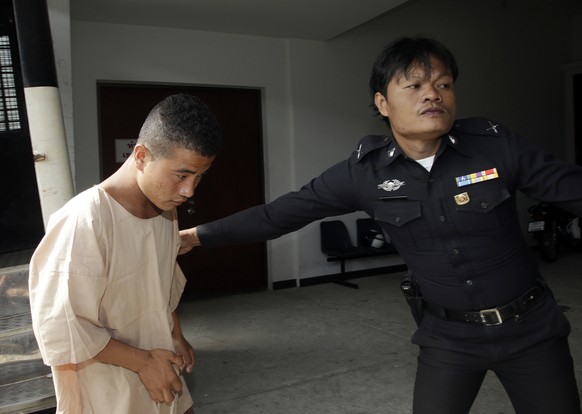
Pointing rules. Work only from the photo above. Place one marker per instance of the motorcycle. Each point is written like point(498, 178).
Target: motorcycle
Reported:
point(554, 229)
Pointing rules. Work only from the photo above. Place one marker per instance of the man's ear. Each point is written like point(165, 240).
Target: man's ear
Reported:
point(141, 154)
point(381, 104)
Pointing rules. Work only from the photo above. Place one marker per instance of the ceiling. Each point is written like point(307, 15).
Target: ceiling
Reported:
point(299, 19)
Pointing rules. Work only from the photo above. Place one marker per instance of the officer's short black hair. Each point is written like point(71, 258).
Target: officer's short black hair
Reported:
point(181, 121)
point(399, 55)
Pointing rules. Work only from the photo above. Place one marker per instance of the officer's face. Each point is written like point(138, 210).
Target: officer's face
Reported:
point(419, 105)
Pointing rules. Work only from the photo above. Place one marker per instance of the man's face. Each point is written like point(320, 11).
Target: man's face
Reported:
point(169, 182)
point(419, 106)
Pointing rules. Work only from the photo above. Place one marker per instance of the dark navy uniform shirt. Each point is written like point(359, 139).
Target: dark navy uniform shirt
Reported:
point(456, 227)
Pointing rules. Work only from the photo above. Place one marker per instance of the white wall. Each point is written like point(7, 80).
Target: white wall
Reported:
point(60, 25)
point(316, 98)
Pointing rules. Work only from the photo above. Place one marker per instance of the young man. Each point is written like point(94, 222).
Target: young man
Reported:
point(444, 191)
point(104, 282)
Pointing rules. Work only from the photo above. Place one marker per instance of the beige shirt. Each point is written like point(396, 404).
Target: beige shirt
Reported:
point(102, 273)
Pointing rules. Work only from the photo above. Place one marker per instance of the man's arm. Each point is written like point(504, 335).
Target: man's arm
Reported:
point(183, 347)
point(154, 367)
point(544, 177)
point(332, 193)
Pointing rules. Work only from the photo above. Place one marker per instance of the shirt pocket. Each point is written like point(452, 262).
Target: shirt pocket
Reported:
point(487, 211)
point(403, 221)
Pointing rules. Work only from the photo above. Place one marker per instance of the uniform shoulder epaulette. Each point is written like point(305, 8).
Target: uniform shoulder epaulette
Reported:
point(370, 143)
point(480, 126)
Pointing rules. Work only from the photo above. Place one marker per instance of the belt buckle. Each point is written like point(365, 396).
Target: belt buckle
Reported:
point(486, 313)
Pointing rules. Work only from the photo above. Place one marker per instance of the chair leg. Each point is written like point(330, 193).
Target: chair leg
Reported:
point(342, 282)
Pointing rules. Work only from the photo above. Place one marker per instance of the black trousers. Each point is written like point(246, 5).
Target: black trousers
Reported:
point(539, 380)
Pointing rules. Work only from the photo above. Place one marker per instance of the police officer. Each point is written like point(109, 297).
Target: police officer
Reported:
point(444, 191)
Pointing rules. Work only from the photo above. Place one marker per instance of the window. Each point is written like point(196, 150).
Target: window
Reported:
point(9, 108)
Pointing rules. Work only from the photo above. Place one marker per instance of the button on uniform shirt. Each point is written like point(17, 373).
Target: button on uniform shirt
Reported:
point(456, 226)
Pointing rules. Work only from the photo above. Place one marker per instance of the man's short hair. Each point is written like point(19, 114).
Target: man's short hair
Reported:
point(181, 121)
point(401, 54)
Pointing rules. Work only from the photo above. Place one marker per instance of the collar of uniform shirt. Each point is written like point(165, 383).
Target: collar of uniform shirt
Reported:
point(393, 150)
point(451, 140)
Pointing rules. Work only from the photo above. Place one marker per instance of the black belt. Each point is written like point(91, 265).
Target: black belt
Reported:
point(493, 316)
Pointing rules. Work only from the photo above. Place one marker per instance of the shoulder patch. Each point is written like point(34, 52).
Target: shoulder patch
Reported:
point(480, 126)
point(370, 143)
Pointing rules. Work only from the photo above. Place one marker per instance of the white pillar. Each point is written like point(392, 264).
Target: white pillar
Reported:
point(49, 146)
point(43, 105)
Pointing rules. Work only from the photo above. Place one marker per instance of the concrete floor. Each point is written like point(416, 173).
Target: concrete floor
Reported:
point(329, 349)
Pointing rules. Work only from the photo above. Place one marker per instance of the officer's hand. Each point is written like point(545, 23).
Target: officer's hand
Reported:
point(189, 239)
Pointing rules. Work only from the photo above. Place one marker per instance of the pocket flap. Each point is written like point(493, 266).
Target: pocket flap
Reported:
point(484, 199)
point(397, 213)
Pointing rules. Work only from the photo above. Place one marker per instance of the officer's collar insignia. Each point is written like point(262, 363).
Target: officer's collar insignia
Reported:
point(391, 152)
point(391, 185)
point(452, 139)
point(462, 199)
point(477, 177)
point(493, 127)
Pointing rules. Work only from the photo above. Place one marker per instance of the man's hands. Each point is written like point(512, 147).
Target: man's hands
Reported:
point(158, 369)
point(186, 352)
point(159, 375)
point(182, 346)
point(189, 240)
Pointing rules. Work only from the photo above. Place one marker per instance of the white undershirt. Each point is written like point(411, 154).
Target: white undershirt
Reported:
point(426, 162)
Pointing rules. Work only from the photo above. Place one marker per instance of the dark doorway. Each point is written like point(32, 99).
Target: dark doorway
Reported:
point(21, 224)
point(234, 182)
point(577, 90)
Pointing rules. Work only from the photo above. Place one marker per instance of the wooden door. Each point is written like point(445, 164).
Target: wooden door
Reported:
point(234, 182)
